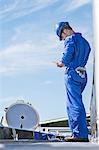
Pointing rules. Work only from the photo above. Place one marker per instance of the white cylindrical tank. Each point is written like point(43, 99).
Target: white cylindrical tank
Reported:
point(21, 115)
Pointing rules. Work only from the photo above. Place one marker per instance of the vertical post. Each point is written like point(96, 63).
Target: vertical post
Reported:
point(15, 135)
point(96, 40)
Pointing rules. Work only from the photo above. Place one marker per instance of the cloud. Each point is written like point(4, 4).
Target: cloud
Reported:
point(47, 82)
point(28, 47)
point(27, 55)
point(19, 58)
point(18, 8)
point(76, 4)
point(73, 4)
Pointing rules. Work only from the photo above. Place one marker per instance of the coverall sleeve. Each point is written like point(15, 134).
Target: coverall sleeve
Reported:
point(68, 53)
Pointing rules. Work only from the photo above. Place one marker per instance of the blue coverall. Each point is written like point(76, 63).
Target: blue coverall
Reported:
point(76, 53)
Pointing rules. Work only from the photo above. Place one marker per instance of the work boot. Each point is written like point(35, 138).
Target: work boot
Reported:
point(75, 139)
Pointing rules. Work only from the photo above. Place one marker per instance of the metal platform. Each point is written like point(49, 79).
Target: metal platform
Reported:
point(24, 145)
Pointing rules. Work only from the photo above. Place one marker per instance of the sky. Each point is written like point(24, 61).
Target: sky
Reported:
point(29, 48)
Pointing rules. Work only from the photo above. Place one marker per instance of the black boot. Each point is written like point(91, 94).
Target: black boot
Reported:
point(75, 139)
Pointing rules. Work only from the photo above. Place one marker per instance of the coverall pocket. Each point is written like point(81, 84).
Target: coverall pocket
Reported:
point(75, 76)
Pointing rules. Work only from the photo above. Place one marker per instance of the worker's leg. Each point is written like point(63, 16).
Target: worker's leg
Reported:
point(75, 109)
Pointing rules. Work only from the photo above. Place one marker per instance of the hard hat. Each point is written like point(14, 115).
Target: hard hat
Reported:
point(59, 28)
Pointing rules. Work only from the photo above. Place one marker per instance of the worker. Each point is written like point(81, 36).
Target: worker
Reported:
point(75, 56)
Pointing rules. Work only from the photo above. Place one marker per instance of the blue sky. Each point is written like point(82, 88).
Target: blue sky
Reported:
point(29, 47)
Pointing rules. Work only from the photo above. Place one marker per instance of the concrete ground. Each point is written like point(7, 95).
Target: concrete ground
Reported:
point(47, 146)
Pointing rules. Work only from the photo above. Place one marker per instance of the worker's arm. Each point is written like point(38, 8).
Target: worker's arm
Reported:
point(68, 53)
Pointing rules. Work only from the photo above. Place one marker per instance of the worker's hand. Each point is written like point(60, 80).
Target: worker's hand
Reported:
point(59, 64)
